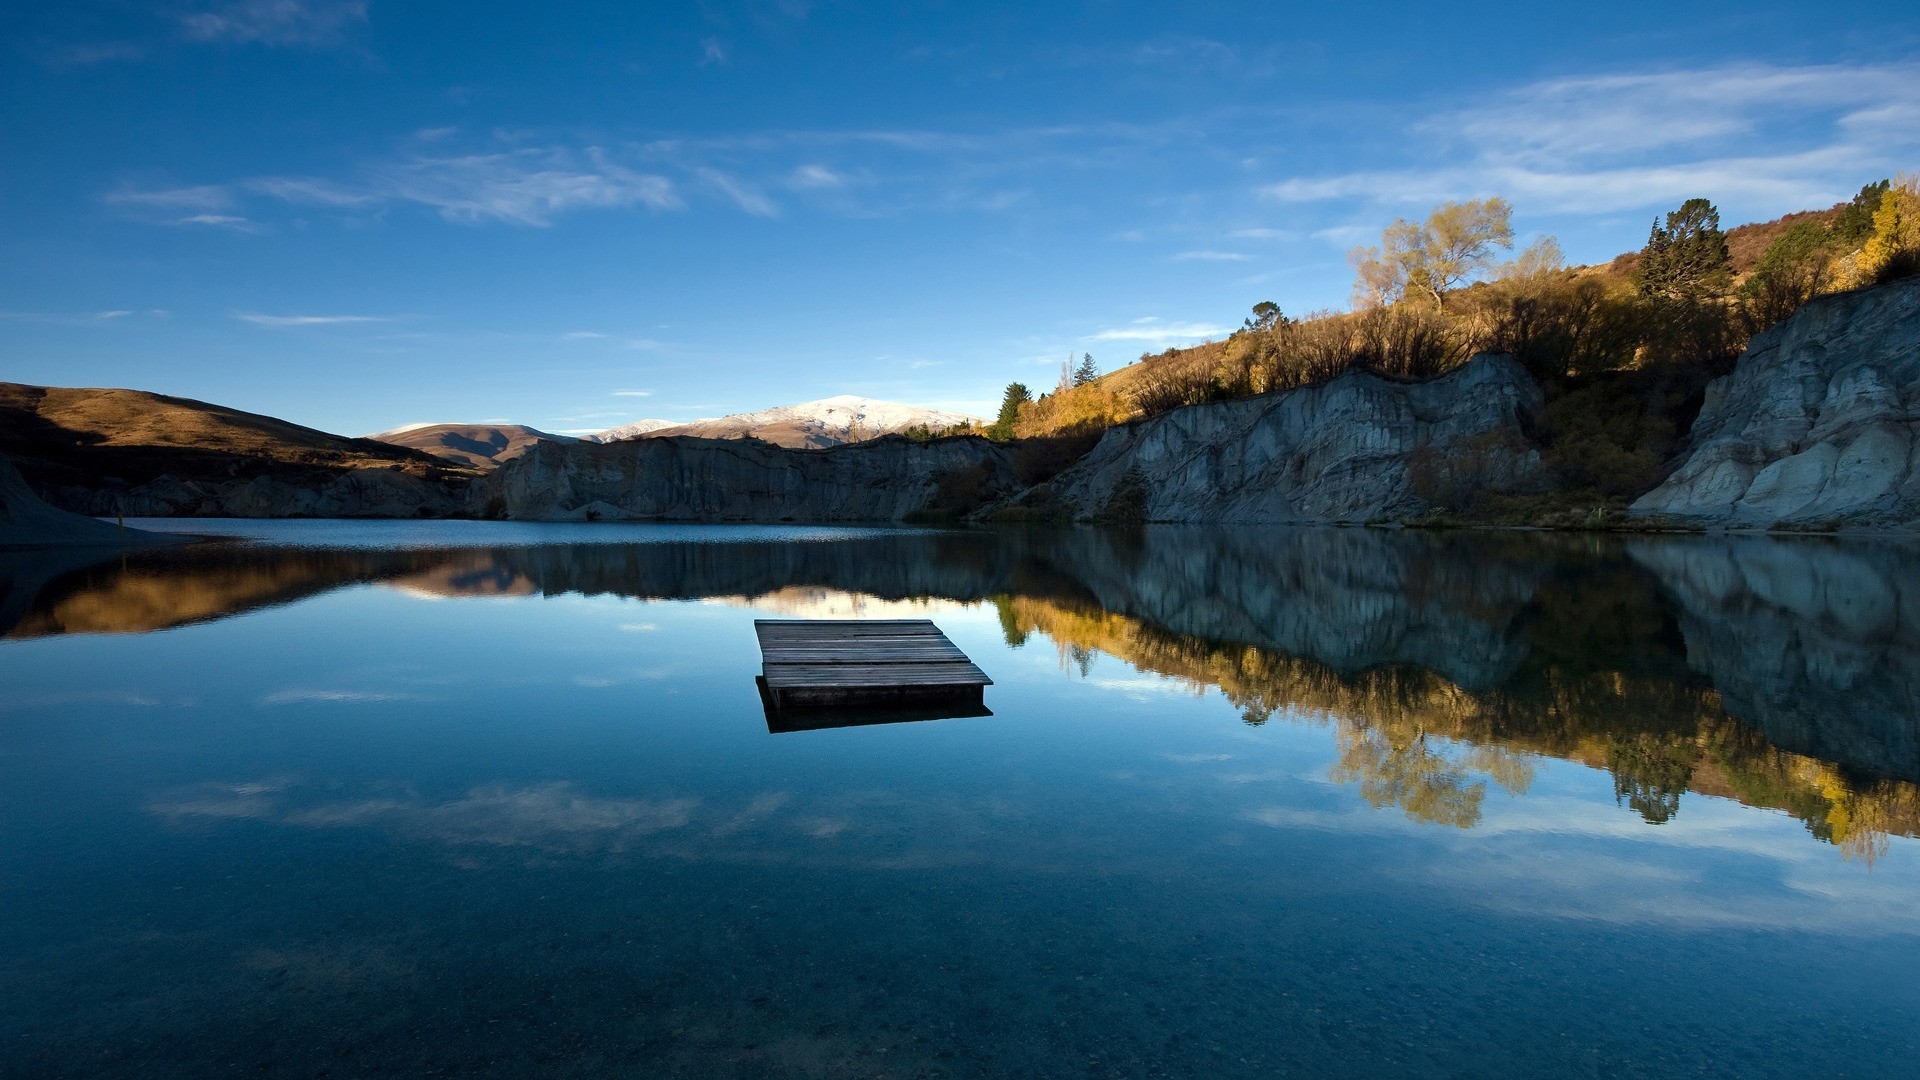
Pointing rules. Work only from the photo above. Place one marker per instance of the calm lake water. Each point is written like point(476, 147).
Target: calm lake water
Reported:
point(501, 800)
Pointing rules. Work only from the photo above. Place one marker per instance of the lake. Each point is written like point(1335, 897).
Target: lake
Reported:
point(489, 799)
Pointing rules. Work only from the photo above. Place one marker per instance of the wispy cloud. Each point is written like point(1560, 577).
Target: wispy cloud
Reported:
point(814, 177)
point(357, 697)
point(1157, 332)
point(712, 51)
point(275, 22)
point(743, 195)
point(582, 335)
point(89, 54)
point(258, 319)
point(83, 318)
point(1265, 234)
point(633, 393)
point(205, 197)
point(221, 221)
point(1211, 256)
point(529, 186)
point(1761, 136)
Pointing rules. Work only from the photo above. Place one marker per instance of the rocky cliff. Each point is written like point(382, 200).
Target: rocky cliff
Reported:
point(350, 493)
point(681, 479)
point(26, 521)
point(1359, 448)
point(1816, 426)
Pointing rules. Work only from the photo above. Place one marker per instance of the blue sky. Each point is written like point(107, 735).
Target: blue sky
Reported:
point(356, 215)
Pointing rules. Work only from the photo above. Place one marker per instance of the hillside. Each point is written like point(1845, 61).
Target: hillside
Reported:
point(473, 446)
point(100, 451)
point(832, 421)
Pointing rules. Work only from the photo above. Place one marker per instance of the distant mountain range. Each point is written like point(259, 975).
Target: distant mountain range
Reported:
point(811, 424)
point(630, 431)
point(477, 446)
point(828, 422)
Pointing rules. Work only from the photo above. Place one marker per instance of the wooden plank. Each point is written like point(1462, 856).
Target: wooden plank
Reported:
point(873, 674)
point(815, 663)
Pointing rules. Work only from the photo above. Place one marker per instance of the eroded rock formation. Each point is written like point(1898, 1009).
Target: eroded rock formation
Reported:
point(1358, 449)
point(682, 479)
point(1815, 427)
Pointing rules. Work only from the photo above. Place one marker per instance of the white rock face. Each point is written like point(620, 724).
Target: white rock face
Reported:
point(1357, 449)
point(1815, 427)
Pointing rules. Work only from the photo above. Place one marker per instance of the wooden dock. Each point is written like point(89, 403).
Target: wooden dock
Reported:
point(815, 663)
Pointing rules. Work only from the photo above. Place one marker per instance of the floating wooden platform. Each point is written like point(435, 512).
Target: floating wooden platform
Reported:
point(837, 663)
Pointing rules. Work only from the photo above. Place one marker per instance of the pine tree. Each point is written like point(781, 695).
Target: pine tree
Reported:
point(1017, 395)
point(1687, 258)
point(1086, 372)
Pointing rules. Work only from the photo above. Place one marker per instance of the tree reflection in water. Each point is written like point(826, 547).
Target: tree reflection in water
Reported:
point(1778, 673)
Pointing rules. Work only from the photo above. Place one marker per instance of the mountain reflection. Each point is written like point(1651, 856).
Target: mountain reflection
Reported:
point(1779, 673)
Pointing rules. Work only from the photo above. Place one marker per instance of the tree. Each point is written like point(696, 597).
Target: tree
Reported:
point(1432, 257)
point(1687, 258)
point(1086, 372)
point(1266, 316)
point(1792, 271)
point(1854, 223)
point(1541, 257)
point(1016, 396)
point(1894, 248)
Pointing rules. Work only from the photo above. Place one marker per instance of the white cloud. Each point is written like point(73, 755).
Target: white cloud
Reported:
point(309, 192)
point(743, 195)
point(304, 697)
point(1156, 332)
point(1767, 138)
point(633, 393)
point(258, 319)
point(88, 318)
point(522, 187)
point(814, 177)
point(206, 197)
point(275, 22)
point(582, 335)
point(220, 221)
point(1211, 256)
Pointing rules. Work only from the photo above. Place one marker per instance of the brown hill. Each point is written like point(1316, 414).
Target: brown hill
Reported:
point(68, 440)
point(475, 446)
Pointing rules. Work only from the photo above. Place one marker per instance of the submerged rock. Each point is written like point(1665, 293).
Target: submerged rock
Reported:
point(1816, 425)
point(684, 479)
point(1357, 449)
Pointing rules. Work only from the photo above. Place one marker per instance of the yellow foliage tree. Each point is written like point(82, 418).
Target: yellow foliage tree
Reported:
point(1896, 230)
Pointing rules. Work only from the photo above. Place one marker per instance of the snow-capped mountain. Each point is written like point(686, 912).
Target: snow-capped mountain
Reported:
point(630, 431)
point(827, 422)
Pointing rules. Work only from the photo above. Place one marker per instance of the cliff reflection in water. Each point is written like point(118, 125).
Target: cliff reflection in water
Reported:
point(1780, 673)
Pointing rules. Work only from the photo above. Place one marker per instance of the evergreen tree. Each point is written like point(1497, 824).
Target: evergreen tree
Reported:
point(1086, 372)
point(1266, 316)
point(1017, 395)
point(1854, 223)
point(1687, 258)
